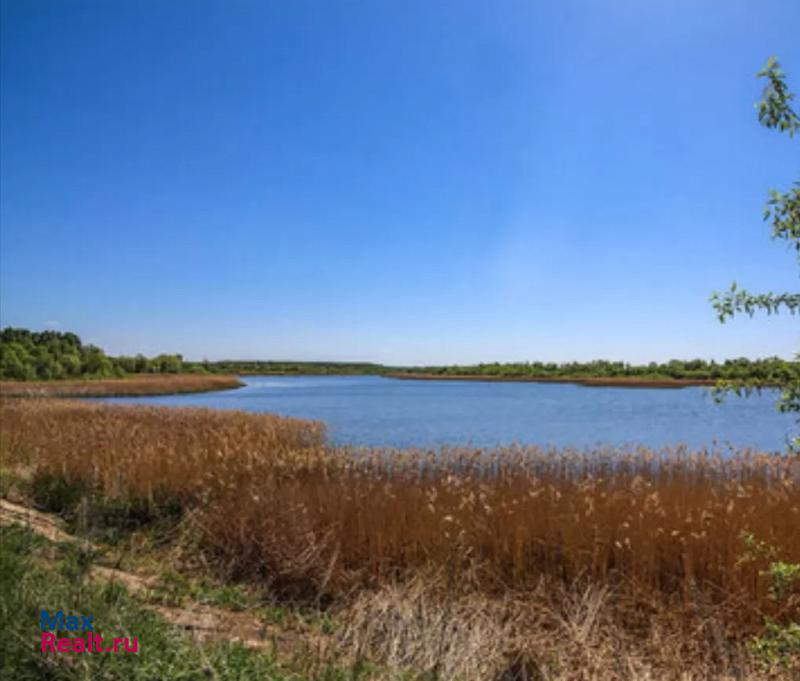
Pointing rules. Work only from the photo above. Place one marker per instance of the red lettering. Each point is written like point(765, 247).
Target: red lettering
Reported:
point(48, 640)
point(64, 645)
point(134, 648)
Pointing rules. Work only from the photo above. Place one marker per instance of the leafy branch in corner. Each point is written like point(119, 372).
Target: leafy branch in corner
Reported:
point(783, 210)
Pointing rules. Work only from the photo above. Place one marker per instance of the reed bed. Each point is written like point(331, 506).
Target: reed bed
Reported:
point(139, 385)
point(269, 500)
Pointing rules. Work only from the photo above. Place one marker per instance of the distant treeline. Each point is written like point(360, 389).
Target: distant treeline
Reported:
point(31, 355)
point(48, 355)
point(285, 367)
point(45, 355)
point(772, 370)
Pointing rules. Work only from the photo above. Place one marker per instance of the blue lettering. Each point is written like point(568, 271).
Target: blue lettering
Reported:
point(71, 622)
point(56, 623)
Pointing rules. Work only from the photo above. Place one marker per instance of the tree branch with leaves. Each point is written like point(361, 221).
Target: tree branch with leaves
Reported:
point(783, 210)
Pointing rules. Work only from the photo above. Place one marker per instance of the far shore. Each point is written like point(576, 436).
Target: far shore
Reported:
point(143, 385)
point(592, 382)
point(130, 386)
point(595, 381)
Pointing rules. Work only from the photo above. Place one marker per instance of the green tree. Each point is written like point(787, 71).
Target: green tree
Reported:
point(168, 364)
point(783, 211)
point(13, 362)
point(71, 361)
point(95, 362)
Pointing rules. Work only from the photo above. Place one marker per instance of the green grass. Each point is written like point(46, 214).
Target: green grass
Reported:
point(94, 516)
point(9, 479)
point(174, 588)
point(38, 575)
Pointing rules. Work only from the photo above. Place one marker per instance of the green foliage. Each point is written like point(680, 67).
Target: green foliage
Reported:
point(30, 581)
point(291, 367)
point(754, 549)
point(175, 589)
point(779, 644)
point(774, 109)
point(27, 355)
point(48, 355)
point(783, 209)
point(768, 371)
point(27, 585)
point(96, 516)
point(736, 300)
point(56, 494)
point(782, 578)
point(775, 112)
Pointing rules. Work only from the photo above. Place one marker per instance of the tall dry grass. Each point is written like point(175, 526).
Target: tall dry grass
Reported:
point(271, 501)
point(138, 385)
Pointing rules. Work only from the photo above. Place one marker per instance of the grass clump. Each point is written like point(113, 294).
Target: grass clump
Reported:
point(29, 583)
point(175, 588)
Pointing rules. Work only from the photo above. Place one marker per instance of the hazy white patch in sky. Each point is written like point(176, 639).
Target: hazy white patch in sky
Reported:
point(52, 324)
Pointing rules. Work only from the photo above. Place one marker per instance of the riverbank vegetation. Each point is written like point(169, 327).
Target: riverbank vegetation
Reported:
point(459, 562)
point(50, 355)
point(38, 574)
point(253, 367)
point(130, 386)
point(597, 382)
point(769, 371)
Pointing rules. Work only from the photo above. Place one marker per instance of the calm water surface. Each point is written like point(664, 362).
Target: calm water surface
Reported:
point(371, 410)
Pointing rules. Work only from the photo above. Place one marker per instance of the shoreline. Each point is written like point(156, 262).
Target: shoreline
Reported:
point(589, 381)
point(130, 386)
point(178, 384)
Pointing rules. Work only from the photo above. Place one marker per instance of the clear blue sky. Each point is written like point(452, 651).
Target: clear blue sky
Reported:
point(404, 182)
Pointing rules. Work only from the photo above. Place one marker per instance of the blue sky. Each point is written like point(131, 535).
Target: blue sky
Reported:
point(403, 182)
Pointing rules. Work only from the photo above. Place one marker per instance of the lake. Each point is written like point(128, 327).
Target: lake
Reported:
point(372, 410)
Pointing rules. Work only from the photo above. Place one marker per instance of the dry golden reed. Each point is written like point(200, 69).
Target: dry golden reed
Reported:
point(145, 384)
point(273, 501)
